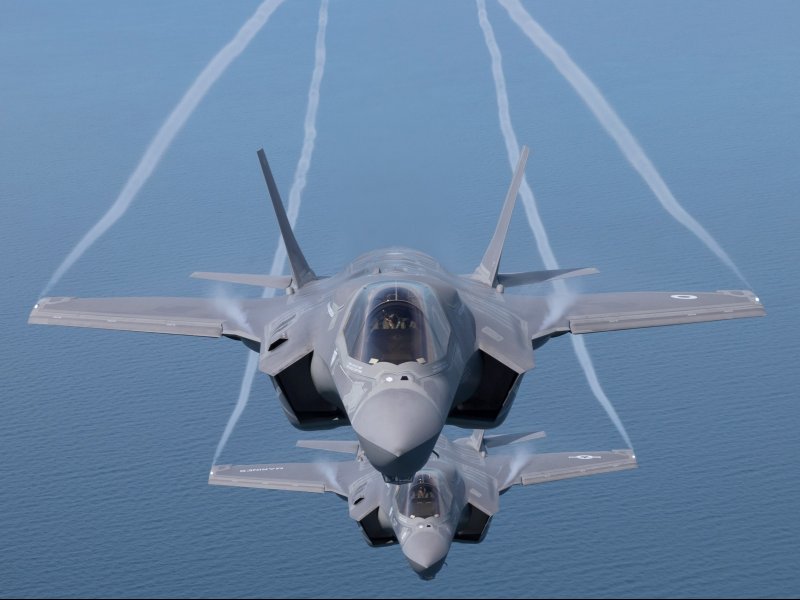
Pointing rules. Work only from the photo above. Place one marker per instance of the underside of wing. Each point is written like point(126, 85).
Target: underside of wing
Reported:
point(318, 477)
point(592, 313)
point(541, 468)
point(181, 316)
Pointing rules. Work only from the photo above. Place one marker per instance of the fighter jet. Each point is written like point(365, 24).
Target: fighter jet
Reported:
point(451, 499)
point(395, 345)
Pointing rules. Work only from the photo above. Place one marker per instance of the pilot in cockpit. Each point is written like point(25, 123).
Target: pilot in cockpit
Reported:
point(422, 498)
point(390, 321)
point(391, 328)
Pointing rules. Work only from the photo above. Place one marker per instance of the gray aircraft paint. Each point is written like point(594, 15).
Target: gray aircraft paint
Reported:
point(457, 491)
point(479, 340)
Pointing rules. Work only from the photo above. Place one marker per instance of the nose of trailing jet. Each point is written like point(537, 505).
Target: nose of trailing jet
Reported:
point(426, 549)
point(397, 430)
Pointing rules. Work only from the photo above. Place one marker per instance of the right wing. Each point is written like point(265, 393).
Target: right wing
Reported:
point(319, 477)
point(511, 470)
point(592, 313)
point(182, 316)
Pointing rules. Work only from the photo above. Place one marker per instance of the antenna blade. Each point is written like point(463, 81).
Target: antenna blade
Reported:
point(300, 269)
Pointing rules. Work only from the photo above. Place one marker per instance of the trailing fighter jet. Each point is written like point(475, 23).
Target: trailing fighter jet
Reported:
point(394, 344)
point(451, 499)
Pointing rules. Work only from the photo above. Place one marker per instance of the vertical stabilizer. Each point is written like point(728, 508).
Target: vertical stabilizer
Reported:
point(301, 272)
point(476, 440)
point(487, 270)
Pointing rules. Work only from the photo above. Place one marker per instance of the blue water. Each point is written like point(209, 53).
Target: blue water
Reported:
point(106, 437)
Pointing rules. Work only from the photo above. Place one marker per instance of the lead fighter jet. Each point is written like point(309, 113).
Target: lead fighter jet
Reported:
point(452, 498)
point(394, 344)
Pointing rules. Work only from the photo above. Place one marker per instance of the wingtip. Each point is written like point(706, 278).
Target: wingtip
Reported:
point(37, 305)
point(750, 294)
point(627, 452)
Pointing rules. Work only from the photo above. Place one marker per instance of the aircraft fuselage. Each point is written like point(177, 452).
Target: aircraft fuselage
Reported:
point(401, 348)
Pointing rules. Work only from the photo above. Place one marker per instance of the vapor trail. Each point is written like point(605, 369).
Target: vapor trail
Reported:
point(560, 301)
point(166, 134)
point(295, 198)
point(614, 126)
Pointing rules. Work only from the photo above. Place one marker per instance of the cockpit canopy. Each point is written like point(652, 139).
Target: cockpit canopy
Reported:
point(421, 498)
point(396, 323)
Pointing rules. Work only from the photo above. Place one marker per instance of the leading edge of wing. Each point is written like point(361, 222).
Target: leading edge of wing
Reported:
point(178, 316)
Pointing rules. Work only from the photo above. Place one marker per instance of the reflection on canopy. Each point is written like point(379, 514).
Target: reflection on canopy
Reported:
point(421, 499)
point(396, 323)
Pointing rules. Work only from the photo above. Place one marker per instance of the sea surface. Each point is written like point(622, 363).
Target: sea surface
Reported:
point(106, 438)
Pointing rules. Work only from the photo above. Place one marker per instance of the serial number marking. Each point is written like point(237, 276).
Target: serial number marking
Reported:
point(256, 470)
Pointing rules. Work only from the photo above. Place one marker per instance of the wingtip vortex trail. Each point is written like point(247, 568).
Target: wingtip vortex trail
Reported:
point(166, 134)
point(295, 200)
point(558, 302)
point(615, 128)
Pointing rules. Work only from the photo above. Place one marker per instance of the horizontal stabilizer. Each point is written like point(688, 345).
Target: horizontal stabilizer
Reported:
point(343, 446)
point(495, 441)
point(531, 277)
point(479, 442)
point(278, 282)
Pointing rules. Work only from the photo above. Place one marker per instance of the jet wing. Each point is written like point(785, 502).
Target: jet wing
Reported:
point(592, 313)
point(318, 477)
point(541, 468)
point(181, 316)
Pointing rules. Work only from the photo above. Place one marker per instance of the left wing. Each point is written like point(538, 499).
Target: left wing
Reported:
point(182, 316)
point(592, 313)
point(511, 470)
point(320, 477)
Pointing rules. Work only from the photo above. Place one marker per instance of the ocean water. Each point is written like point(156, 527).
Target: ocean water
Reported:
point(106, 437)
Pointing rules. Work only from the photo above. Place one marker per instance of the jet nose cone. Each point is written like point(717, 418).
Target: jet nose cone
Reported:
point(397, 430)
point(426, 550)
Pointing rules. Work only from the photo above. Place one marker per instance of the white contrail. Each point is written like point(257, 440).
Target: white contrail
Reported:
point(231, 308)
point(614, 126)
point(166, 134)
point(295, 198)
point(560, 301)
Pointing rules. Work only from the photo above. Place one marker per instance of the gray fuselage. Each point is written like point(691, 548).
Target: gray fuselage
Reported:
point(397, 348)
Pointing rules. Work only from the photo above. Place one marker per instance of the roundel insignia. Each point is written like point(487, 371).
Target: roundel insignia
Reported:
point(683, 297)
